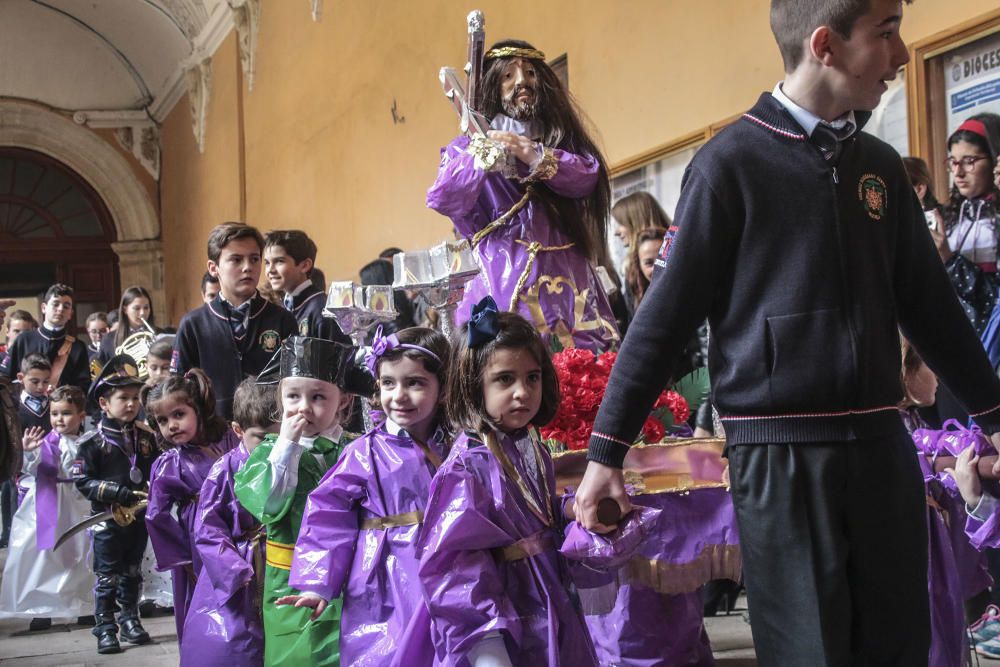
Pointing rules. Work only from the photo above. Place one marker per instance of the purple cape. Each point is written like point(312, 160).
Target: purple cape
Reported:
point(553, 286)
point(378, 475)
point(224, 624)
point(475, 511)
point(175, 481)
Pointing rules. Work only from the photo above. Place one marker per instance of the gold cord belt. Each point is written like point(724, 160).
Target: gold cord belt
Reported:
point(527, 547)
point(503, 219)
point(393, 521)
point(534, 247)
point(279, 555)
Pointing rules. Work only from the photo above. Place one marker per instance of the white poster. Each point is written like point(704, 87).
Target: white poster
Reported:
point(972, 80)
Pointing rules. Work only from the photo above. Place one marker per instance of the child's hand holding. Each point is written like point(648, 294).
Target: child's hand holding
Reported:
point(292, 427)
point(966, 476)
point(32, 438)
point(314, 602)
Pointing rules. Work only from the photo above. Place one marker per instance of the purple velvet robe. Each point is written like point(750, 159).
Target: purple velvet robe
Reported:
point(661, 624)
point(560, 292)
point(224, 624)
point(475, 510)
point(176, 481)
point(378, 475)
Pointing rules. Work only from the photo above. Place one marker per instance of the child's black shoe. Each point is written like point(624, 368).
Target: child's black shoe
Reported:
point(133, 632)
point(107, 642)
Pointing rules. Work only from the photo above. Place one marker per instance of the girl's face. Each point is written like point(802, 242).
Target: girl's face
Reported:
point(157, 368)
point(177, 421)
point(621, 232)
point(973, 181)
point(512, 388)
point(648, 250)
point(65, 418)
point(410, 395)
point(137, 310)
point(321, 403)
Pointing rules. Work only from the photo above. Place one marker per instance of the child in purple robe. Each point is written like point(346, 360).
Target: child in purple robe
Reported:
point(224, 623)
point(497, 591)
point(361, 523)
point(181, 409)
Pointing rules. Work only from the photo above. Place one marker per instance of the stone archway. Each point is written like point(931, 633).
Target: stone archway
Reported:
point(136, 220)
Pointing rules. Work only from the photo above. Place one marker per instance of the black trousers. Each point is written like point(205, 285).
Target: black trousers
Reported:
point(834, 542)
point(8, 505)
point(118, 555)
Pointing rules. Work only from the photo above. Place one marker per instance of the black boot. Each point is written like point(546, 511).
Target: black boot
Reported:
point(107, 642)
point(133, 632)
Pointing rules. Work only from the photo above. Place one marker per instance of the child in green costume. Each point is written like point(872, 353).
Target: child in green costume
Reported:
point(316, 383)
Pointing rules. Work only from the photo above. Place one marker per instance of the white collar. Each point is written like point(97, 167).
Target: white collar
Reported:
point(392, 428)
point(808, 120)
point(298, 290)
point(332, 435)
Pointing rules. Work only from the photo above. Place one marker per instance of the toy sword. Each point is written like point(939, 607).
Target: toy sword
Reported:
point(123, 515)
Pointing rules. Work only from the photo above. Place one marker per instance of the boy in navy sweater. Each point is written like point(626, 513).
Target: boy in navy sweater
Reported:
point(236, 334)
point(802, 241)
point(289, 261)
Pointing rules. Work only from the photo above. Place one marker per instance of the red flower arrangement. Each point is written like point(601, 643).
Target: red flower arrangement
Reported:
point(583, 378)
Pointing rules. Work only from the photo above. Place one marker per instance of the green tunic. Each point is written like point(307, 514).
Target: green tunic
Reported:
point(290, 638)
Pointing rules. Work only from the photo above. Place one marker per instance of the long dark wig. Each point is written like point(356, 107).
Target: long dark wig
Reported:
point(990, 145)
point(584, 221)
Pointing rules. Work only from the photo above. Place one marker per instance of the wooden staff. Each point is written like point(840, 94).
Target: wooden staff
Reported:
point(985, 465)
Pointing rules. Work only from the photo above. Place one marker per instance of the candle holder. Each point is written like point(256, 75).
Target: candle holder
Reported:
point(438, 275)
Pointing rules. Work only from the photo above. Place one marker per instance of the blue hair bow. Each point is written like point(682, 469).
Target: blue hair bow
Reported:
point(483, 324)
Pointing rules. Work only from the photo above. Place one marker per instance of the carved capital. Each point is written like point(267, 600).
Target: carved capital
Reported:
point(143, 142)
point(246, 17)
point(199, 84)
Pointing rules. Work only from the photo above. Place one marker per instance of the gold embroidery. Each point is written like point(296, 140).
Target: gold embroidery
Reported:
point(533, 249)
point(546, 169)
point(555, 285)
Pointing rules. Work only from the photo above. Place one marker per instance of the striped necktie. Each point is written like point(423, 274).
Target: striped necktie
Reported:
point(831, 140)
point(238, 319)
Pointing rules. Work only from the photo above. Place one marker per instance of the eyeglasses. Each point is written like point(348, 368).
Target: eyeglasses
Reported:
point(968, 162)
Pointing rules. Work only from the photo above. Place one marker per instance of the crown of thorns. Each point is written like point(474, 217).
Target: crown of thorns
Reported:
point(514, 52)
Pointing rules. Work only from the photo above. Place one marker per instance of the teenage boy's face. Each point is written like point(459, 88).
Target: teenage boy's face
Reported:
point(65, 418)
point(283, 273)
point(238, 270)
point(15, 328)
point(35, 381)
point(121, 404)
point(872, 56)
point(211, 291)
point(57, 311)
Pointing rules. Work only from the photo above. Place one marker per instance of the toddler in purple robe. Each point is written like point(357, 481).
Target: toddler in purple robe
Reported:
point(181, 410)
point(496, 588)
point(224, 623)
point(361, 523)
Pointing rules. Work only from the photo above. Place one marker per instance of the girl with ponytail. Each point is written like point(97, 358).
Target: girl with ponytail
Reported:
point(181, 410)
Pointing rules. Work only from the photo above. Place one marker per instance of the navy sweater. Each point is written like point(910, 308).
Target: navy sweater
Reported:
point(47, 343)
point(307, 308)
point(205, 340)
point(807, 271)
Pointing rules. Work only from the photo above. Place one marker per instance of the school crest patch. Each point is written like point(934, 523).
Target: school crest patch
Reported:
point(270, 340)
point(872, 194)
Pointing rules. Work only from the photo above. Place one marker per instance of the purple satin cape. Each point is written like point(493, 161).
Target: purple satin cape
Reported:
point(224, 624)
point(378, 475)
point(474, 511)
point(562, 295)
point(176, 481)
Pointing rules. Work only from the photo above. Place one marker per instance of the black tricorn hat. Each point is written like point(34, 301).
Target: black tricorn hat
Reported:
point(120, 371)
point(320, 359)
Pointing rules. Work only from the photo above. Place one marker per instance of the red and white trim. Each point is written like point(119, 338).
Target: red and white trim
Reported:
point(611, 438)
point(777, 130)
point(808, 415)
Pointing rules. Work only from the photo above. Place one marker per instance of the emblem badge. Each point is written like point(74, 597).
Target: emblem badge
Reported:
point(270, 340)
point(872, 194)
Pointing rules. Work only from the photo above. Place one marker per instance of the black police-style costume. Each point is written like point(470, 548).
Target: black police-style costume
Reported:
point(48, 343)
point(112, 463)
point(205, 340)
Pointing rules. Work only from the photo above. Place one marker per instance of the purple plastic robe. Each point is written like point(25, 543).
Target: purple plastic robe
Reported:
point(657, 619)
point(378, 475)
point(560, 293)
point(224, 624)
point(474, 511)
point(175, 481)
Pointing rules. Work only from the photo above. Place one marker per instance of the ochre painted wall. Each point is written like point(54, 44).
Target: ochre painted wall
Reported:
point(322, 150)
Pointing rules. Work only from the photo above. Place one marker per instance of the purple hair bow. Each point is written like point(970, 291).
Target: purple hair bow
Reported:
point(381, 345)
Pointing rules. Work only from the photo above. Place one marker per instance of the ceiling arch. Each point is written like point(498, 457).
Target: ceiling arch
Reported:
point(103, 55)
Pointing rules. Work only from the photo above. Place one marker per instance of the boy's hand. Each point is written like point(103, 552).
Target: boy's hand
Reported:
point(317, 604)
point(966, 476)
point(292, 427)
point(599, 482)
point(32, 438)
point(941, 238)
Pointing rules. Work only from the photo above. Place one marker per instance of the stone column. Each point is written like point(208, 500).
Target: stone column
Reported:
point(141, 263)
